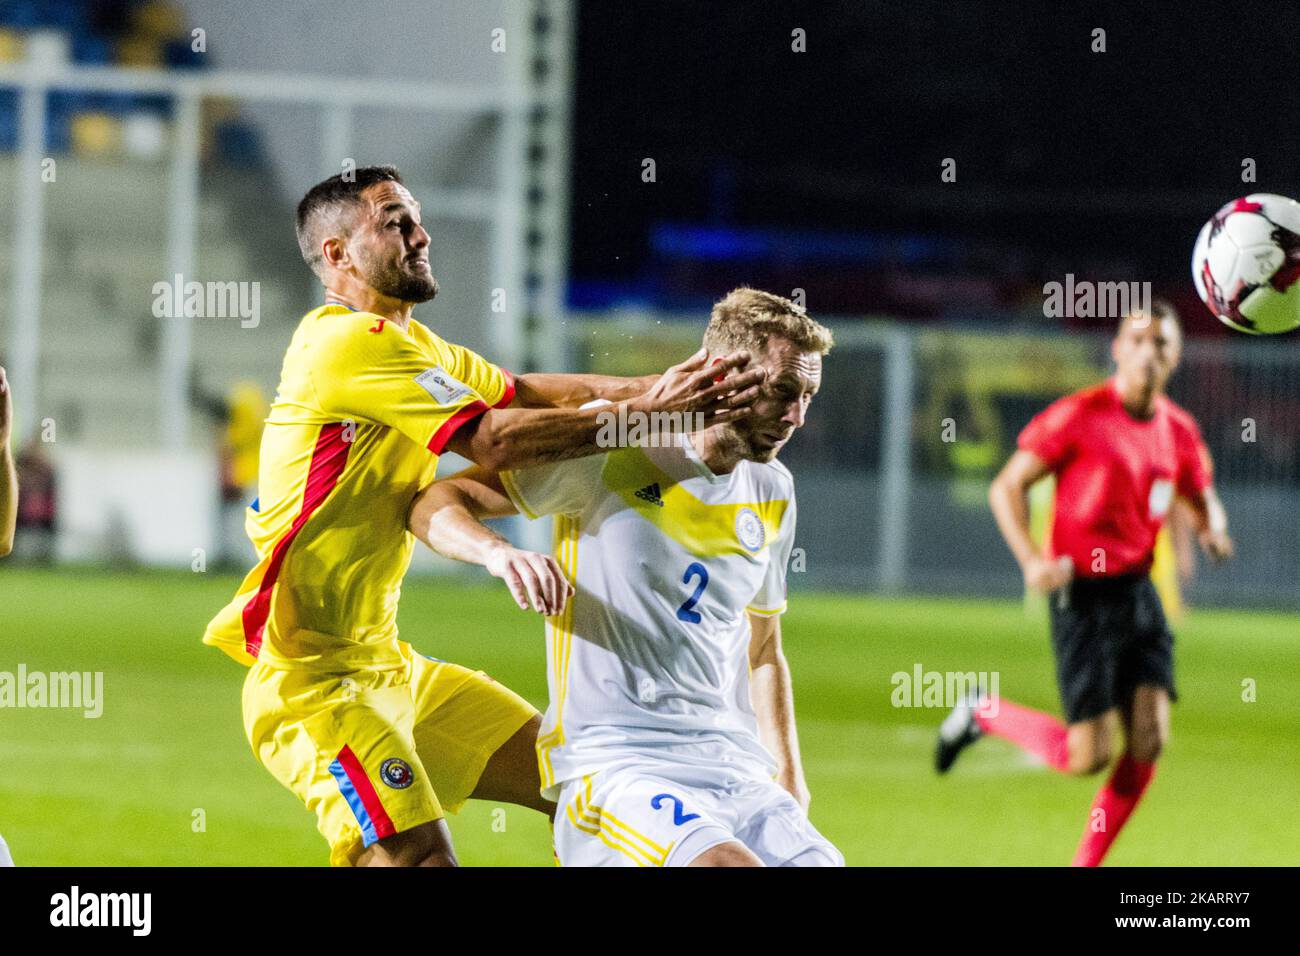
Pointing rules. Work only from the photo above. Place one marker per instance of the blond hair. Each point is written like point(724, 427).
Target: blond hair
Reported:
point(746, 318)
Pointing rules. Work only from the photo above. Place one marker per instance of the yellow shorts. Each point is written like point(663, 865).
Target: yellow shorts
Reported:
point(374, 753)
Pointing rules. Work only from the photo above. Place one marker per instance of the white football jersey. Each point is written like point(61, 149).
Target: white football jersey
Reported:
point(650, 658)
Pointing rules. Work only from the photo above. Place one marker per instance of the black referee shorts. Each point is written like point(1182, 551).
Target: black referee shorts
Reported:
point(1110, 635)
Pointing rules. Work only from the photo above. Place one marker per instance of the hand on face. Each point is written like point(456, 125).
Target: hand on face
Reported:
point(719, 392)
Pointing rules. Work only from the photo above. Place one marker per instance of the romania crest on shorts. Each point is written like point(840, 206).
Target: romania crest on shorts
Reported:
point(396, 772)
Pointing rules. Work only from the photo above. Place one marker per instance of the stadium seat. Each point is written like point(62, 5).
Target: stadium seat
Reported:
point(11, 46)
point(96, 134)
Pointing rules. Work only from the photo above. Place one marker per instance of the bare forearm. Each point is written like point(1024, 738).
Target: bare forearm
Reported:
point(518, 438)
point(8, 499)
point(446, 521)
point(772, 696)
point(1010, 505)
point(1208, 514)
point(1216, 515)
point(542, 389)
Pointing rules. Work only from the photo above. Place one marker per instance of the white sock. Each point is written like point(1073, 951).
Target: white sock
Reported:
point(5, 858)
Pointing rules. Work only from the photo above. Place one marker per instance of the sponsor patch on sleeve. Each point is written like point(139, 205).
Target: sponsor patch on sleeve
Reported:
point(444, 389)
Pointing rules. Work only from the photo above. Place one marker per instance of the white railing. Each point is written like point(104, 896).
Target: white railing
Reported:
point(337, 99)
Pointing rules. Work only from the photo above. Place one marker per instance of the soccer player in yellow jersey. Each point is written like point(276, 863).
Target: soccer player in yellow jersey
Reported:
point(376, 739)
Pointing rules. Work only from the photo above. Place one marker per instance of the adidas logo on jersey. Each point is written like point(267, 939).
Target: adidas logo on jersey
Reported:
point(650, 493)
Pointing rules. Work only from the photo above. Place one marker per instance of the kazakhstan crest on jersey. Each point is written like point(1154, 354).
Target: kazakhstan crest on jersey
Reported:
point(749, 529)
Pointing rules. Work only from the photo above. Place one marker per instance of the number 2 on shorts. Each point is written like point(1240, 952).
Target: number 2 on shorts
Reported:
point(679, 818)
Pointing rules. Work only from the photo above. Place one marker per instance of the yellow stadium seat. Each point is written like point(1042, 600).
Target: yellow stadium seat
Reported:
point(96, 134)
point(11, 46)
point(158, 21)
point(140, 51)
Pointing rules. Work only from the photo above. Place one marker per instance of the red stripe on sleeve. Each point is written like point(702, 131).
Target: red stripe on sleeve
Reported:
point(448, 428)
point(366, 791)
point(509, 394)
point(328, 460)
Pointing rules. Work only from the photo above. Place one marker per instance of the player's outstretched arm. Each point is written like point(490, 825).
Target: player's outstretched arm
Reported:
point(772, 697)
point(519, 437)
point(1212, 524)
point(8, 473)
point(447, 516)
point(1009, 499)
point(564, 390)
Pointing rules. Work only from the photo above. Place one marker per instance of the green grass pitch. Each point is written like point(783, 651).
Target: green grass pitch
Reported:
point(126, 788)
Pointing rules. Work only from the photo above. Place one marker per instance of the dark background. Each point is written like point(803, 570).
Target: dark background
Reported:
point(828, 161)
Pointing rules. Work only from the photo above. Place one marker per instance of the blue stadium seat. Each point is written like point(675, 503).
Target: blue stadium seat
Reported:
point(91, 49)
point(61, 15)
point(180, 54)
point(21, 14)
point(237, 143)
point(158, 103)
point(8, 120)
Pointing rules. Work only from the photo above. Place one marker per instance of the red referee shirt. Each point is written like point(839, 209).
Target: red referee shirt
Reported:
point(1116, 475)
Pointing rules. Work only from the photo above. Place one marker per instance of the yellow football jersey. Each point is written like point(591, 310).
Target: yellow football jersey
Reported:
point(362, 413)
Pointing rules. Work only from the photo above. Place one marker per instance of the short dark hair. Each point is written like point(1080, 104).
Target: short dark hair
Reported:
point(1161, 309)
point(319, 209)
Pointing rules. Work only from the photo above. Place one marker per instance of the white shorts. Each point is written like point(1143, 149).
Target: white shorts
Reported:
point(657, 815)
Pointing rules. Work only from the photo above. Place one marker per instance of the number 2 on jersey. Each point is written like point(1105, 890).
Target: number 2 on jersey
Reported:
point(686, 612)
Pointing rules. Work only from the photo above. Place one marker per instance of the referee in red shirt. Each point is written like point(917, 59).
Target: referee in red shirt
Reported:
point(1120, 451)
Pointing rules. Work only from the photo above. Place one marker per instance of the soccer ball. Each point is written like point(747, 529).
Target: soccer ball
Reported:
point(1246, 264)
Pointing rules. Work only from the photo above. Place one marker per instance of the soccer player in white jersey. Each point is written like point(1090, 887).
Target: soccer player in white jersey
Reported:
point(670, 736)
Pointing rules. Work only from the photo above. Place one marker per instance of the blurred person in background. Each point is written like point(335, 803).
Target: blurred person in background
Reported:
point(26, 516)
point(8, 473)
point(237, 417)
point(8, 509)
point(37, 503)
point(1121, 451)
point(246, 411)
